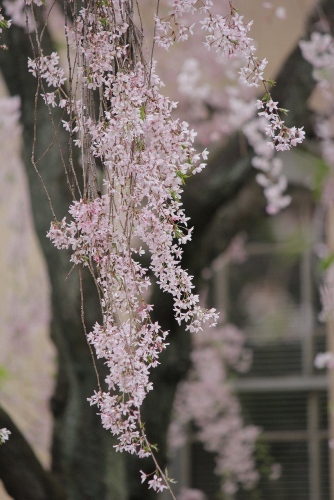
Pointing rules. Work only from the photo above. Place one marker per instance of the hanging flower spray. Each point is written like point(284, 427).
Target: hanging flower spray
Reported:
point(123, 126)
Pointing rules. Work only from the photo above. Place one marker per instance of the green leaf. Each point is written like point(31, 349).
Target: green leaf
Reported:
point(178, 233)
point(142, 112)
point(3, 24)
point(326, 262)
point(3, 373)
point(169, 479)
point(272, 83)
point(174, 195)
point(183, 176)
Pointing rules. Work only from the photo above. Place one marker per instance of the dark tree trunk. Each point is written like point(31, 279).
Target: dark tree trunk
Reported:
point(83, 458)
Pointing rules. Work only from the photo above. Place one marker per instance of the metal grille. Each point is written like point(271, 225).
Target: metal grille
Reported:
point(273, 297)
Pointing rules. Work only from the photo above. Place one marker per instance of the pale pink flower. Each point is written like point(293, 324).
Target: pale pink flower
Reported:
point(324, 360)
point(4, 435)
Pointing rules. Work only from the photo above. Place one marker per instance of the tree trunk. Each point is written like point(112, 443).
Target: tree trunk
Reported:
point(83, 458)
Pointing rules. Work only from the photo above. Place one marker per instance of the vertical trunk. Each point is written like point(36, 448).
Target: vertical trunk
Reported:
point(83, 455)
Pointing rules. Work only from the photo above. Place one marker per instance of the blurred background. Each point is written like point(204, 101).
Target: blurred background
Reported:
point(263, 272)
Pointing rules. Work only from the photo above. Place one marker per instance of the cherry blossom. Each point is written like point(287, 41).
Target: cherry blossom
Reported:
point(146, 156)
point(4, 435)
point(47, 68)
point(135, 158)
point(156, 484)
point(207, 399)
point(238, 108)
point(265, 160)
point(283, 137)
point(324, 360)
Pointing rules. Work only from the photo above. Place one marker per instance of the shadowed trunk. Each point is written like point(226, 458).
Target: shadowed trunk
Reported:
point(83, 458)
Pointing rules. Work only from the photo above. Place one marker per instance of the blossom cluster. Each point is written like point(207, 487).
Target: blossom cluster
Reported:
point(47, 67)
point(283, 137)
point(319, 51)
point(265, 160)
point(324, 360)
point(146, 156)
point(235, 109)
point(4, 435)
point(228, 35)
point(156, 483)
point(206, 398)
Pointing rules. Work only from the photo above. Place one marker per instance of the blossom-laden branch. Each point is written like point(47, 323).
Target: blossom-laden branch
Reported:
point(228, 36)
point(120, 121)
point(235, 112)
point(146, 157)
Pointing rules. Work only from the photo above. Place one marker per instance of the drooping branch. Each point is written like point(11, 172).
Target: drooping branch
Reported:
point(214, 200)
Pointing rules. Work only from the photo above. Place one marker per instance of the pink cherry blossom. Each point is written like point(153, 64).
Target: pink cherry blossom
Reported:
point(206, 399)
point(4, 435)
point(134, 207)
